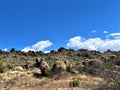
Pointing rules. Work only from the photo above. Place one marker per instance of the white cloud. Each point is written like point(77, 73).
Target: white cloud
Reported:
point(93, 31)
point(39, 46)
point(94, 43)
point(5, 50)
point(105, 32)
point(26, 49)
point(75, 42)
point(114, 35)
point(46, 51)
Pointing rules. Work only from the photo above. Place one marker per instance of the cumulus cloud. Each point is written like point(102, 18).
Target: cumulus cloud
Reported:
point(39, 46)
point(93, 31)
point(94, 43)
point(105, 32)
point(5, 50)
point(46, 51)
point(114, 35)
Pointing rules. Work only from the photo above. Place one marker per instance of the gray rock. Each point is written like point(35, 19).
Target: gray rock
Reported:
point(59, 67)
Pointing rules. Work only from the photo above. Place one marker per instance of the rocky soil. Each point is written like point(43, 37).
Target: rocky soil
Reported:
point(64, 69)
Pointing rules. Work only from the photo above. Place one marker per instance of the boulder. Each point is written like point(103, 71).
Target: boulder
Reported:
point(91, 62)
point(59, 67)
point(37, 63)
point(19, 68)
point(117, 60)
point(79, 66)
point(92, 66)
point(42, 65)
point(94, 62)
point(74, 71)
point(36, 70)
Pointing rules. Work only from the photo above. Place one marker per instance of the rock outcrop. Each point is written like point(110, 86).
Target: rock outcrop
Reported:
point(42, 65)
point(59, 67)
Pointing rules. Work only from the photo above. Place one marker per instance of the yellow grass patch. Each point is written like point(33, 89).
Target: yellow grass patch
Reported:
point(97, 79)
point(82, 77)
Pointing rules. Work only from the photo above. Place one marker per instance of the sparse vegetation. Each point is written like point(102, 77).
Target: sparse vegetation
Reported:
point(74, 82)
point(3, 66)
point(69, 68)
point(10, 83)
point(59, 65)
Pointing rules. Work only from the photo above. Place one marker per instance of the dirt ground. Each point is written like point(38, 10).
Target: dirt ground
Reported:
point(25, 80)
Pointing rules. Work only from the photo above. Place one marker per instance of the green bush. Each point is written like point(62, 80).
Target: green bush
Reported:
point(47, 72)
point(74, 83)
point(3, 66)
point(69, 68)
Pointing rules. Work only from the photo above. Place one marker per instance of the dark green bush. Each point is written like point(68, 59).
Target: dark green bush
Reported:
point(3, 66)
point(47, 72)
point(69, 68)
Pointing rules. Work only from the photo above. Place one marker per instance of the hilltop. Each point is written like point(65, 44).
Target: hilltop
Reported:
point(65, 68)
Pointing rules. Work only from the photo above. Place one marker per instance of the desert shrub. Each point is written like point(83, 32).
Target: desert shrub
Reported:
point(11, 82)
point(74, 82)
point(48, 72)
point(3, 66)
point(61, 49)
point(108, 86)
point(45, 72)
point(92, 68)
point(110, 65)
point(1, 78)
point(68, 68)
point(37, 75)
point(13, 50)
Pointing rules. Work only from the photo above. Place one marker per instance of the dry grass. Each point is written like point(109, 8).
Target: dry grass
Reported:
point(25, 81)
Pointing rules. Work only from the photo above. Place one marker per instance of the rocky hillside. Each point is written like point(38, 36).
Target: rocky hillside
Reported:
point(65, 68)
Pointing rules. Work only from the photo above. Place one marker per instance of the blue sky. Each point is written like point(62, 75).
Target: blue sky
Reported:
point(50, 24)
